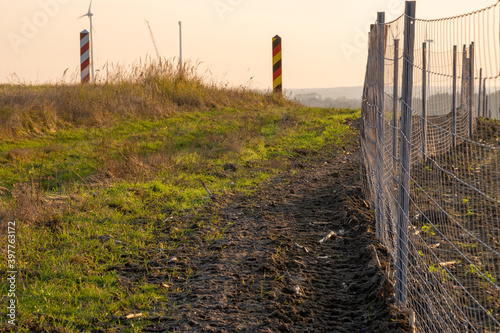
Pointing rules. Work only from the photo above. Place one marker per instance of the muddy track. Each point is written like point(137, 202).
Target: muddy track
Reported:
point(269, 272)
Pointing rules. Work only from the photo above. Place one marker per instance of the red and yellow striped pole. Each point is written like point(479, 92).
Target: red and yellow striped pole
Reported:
point(84, 56)
point(277, 75)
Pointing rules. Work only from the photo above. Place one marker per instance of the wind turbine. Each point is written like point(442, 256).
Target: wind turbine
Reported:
point(89, 14)
point(153, 39)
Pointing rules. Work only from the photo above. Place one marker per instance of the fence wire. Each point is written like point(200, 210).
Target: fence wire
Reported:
point(451, 276)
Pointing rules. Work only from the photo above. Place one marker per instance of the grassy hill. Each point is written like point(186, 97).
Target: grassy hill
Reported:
point(90, 173)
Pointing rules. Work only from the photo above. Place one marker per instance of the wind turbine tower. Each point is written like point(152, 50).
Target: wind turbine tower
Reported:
point(89, 14)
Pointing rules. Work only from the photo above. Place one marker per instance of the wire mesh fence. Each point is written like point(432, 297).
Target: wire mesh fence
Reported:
point(430, 152)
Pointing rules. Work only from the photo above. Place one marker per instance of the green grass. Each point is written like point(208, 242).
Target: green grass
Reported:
point(89, 200)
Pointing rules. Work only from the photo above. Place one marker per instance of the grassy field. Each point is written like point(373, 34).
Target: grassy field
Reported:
point(91, 173)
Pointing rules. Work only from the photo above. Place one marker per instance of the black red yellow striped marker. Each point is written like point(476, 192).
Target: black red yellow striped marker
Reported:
point(277, 75)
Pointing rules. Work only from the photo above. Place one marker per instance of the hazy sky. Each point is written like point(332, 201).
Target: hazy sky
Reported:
point(324, 41)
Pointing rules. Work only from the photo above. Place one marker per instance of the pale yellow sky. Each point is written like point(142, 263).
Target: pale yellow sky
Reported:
point(324, 41)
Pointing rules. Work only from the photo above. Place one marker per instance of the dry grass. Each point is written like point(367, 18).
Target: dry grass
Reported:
point(146, 90)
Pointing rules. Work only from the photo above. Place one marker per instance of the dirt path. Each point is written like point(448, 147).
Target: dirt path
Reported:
point(270, 273)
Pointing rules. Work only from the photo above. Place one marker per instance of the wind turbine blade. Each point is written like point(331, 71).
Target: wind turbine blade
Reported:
point(79, 17)
point(90, 5)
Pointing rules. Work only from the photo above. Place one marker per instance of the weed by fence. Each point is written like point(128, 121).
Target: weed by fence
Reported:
point(430, 152)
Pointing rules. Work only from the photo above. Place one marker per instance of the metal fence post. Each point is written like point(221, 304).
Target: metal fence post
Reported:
point(180, 49)
point(362, 130)
point(479, 94)
point(369, 115)
point(471, 87)
point(454, 101)
point(424, 99)
point(464, 90)
point(405, 155)
point(486, 113)
point(277, 70)
point(395, 104)
point(379, 157)
point(485, 101)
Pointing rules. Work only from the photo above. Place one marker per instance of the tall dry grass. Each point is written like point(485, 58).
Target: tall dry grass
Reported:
point(149, 89)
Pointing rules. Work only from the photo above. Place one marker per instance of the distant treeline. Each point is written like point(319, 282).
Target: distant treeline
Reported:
point(316, 100)
point(439, 104)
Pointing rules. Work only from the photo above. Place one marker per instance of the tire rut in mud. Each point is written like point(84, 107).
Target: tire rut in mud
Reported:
point(269, 272)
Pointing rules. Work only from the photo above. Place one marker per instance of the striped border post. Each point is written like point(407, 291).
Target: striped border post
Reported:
point(277, 76)
point(84, 56)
